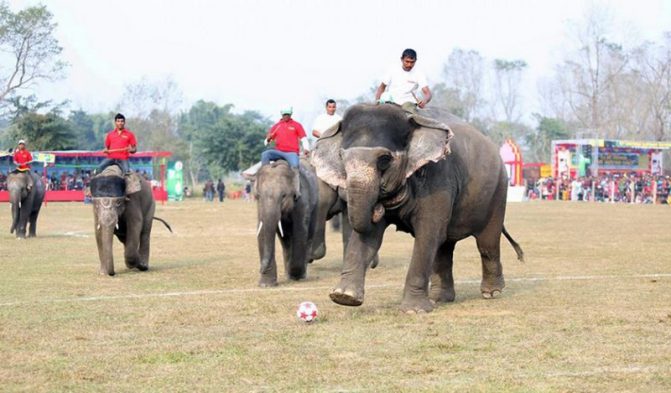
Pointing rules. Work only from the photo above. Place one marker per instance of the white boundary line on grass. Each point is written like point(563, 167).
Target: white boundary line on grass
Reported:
point(298, 289)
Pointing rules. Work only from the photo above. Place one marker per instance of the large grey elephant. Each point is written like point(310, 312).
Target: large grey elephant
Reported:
point(124, 210)
point(441, 182)
point(26, 203)
point(292, 219)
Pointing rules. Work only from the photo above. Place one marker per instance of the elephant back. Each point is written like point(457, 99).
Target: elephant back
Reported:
point(109, 183)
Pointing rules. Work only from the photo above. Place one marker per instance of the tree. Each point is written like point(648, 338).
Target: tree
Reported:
point(89, 130)
point(463, 74)
point(47, 131)
point(507, 79)
point(539, 140)
point(587, 78)
point(32, 50)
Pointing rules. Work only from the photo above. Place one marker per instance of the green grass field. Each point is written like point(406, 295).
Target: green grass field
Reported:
point(590, 310)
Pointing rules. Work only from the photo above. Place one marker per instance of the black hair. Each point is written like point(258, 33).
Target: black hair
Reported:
point(330, 101)
point(409, 53)
point(119, 116)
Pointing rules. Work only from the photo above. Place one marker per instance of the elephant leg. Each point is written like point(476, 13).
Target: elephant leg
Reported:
point(415, 293)
point(489, 246)
point(132, 244)
point(145, 237)
point(33, 221)
point(346, 230)
point(360, 250)
point(442, 280)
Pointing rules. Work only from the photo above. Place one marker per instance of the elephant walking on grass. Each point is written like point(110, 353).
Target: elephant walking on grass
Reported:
point(439, 182)
point(292, 219)
point(122, 206)
point(25, 203)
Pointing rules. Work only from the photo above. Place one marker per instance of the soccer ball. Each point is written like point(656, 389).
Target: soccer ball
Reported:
point(307, 312)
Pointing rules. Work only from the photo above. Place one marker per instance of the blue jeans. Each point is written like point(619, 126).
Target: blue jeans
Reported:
point(123, 164)
point(274, 155)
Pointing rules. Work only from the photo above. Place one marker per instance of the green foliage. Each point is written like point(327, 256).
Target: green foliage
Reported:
point(539, 141)
point(89, 130)
point(224, 140)
point(43, 131)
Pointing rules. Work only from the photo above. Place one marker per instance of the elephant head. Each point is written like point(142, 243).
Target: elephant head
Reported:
point(108, 191)
point(372, 153)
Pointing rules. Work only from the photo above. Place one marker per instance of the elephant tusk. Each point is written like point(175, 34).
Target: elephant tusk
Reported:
point(259, 230)
point(279, 225)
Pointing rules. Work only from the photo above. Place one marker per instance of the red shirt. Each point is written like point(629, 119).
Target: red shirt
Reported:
point(286, 135)
point(23, 157)
point(116, 140)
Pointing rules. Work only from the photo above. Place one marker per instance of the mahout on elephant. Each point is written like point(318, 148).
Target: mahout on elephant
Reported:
point(122, 206)
point(26, 194)
point(293, 218)
point(441, 181)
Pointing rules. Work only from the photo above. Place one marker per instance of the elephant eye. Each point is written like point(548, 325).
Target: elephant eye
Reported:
point(383, 162)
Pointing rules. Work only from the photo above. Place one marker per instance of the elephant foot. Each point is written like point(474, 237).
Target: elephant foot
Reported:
point(416, 305)
point(375, 261)
point(297, 274)
point(319, 252)
point(267, 283)
point(346, 297)
point(441, 295)
point(142, 267)
point(104, 273)
point(492, 289)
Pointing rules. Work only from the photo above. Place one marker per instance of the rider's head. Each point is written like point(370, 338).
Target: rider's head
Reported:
point(286, 113)
point(408, 59)
point(119, 121)
point(330, 106)
point(22, 144)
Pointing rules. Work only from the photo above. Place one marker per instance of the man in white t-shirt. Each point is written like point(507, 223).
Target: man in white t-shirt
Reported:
point(326, 120)
point(401, 84)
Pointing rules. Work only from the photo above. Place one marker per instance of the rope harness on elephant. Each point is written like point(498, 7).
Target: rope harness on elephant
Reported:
point(107, 209)
point(396, 199)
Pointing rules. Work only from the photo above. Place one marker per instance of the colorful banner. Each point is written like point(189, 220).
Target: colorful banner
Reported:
point(175, 181)
point(46, 158)
point(623, 160)
point(656, 163)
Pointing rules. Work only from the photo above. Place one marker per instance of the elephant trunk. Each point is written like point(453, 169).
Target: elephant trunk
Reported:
point(15, 199)
point(106, 211)
point(362, 204)
point(269, 218)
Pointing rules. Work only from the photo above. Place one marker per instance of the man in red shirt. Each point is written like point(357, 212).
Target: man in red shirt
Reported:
point(22, 160)
point(119, 144)
point(287, 133)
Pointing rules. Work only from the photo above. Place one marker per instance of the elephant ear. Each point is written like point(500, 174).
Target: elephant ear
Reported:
point(430, 142)
point(326, 157)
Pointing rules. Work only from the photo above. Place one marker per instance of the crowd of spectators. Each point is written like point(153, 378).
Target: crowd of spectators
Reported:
point(623, 188)
point(67, 181)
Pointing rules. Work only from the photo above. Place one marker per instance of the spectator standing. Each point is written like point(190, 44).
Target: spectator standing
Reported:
point(221, 190)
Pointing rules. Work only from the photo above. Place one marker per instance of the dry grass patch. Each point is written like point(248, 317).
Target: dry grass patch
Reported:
point(585, 313)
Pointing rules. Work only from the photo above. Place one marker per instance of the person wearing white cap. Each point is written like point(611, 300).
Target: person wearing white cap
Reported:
point(22, 160)
point(288, 135)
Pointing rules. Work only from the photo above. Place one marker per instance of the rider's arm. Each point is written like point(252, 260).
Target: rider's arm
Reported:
point(379, 91)
point(306, 144)
point(426, 93)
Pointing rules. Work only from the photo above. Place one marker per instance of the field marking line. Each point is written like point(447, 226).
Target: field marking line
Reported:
point(300, 289)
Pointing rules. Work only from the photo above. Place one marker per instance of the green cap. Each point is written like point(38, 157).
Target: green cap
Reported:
point(287, 111)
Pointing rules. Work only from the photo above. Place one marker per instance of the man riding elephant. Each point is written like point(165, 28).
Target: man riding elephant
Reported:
point(287, 134)
point(26, 193)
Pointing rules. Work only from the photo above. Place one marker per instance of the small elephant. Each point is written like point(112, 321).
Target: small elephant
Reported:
point(124, 210)
point(26, 203)
point(281, 212)
point(439, 182)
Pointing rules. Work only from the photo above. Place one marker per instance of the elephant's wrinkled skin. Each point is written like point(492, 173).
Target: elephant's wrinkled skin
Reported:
point(279, 212)
point(398, 168)
point(129, 217)
point(25, 204)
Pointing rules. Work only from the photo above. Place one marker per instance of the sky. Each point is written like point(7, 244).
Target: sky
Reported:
point(268, 54)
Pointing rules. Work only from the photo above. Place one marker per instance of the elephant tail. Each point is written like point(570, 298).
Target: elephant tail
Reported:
point(164, 223)
point(518, 249)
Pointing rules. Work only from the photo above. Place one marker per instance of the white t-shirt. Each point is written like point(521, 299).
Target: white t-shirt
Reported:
point(401, 84)
point(325, 121)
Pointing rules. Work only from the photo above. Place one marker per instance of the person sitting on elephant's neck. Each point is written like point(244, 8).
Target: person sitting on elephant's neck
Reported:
point(22, 160)
point(400, 84)
point(120, 143)
point(288, 135)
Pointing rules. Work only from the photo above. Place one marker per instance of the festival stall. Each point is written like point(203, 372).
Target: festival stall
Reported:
point(512, 159)
point(67, 172)
point(590, 157)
